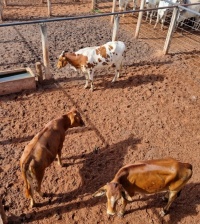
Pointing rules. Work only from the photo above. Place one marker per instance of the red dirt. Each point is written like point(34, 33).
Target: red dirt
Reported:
point(152, 111)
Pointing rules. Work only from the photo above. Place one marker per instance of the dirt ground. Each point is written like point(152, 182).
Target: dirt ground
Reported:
point(151, 112)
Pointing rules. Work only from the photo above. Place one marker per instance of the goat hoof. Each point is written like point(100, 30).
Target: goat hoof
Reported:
point(163, 213)
point(60, 164)
point(42, 194)
point(86, 85)
point(110, 216)
point(92, 89)
point(164, 198)
point(32, 205)
point(121, 214)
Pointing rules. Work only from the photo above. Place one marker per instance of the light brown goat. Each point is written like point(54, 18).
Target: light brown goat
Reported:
point(43, 149)
point(146, 177)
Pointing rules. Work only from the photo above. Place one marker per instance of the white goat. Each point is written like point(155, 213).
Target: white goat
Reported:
point(123, 4)
point(150, 4)
point(162, 13)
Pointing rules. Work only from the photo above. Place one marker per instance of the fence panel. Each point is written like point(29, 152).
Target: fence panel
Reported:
point(26, 48)
point(153, 37)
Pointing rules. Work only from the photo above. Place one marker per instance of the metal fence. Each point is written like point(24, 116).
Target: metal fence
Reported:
point(134, 21)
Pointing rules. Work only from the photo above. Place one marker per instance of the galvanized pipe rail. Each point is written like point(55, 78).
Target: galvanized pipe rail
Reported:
point(43, 29)
point(89, 16)
point(77, 17)
point(182, 6)
point(190, 10)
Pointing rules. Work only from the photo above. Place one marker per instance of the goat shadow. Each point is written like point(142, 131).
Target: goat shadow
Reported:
point(183, 206)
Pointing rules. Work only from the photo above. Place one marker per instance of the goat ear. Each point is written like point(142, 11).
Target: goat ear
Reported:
point(74, 111)
point(125, 195)
point(63, 53)
point(100, 192)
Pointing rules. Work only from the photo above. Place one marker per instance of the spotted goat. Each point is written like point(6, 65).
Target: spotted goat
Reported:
point(89, 59)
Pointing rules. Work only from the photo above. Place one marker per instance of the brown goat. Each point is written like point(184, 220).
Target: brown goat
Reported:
point(43, 149)
point(149, 177)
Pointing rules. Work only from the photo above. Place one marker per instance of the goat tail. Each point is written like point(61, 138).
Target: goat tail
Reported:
point(190, 168)
point(26, 160)
point(24, 170)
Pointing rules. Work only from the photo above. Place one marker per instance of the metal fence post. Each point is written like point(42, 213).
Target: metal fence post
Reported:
point(94, 4)
point(113, 10)
point(43, 29)
point(38, 68)
point(170, 30)
point(115, 28)
point(139, 19)
point(49, 7)
point(1, 12)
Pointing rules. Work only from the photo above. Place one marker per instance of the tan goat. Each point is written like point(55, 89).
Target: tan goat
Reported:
point(43, 149)
point(151, 176)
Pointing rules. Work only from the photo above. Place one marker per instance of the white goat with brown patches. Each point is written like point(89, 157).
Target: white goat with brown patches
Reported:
point(90, 59)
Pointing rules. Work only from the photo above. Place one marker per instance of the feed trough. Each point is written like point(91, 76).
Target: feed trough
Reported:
point(12, 81)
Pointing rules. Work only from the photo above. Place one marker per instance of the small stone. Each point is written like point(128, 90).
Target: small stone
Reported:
point(57, 216)
point(193, 98)
point(148, 93)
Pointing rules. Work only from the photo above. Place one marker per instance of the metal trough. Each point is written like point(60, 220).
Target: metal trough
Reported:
point(12, 81)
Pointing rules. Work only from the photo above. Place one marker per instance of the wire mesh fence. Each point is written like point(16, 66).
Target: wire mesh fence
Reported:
point(185, 38)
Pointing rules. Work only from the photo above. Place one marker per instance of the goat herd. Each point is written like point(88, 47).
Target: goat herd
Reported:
point(151, 176)
point(162, 13)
